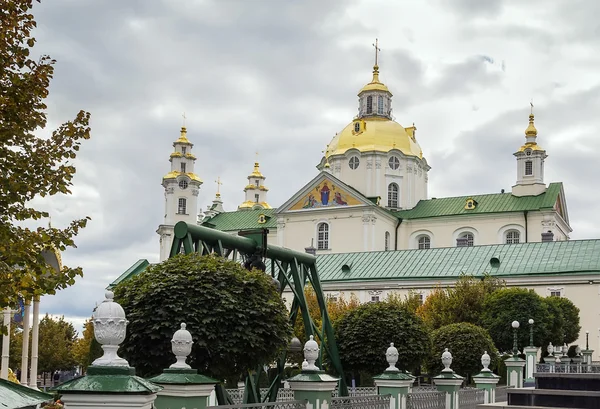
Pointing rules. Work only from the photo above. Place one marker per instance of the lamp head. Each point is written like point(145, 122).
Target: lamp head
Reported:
point(515, 324)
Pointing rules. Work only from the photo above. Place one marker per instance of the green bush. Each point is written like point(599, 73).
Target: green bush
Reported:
point(467, 343)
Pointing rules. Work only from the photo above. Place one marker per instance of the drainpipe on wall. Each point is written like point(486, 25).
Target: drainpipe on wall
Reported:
point(525, 215)
point(396, 234)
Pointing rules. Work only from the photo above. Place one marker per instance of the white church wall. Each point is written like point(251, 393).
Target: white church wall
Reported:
point(486, 228)
point(584, 295)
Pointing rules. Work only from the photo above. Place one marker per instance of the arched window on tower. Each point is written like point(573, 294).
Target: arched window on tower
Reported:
point(424, 242)
point(322, 236)
point(513, 237)
point(369, 104)
point(393, 195)
point(380, 105)
point(182, 206)
point(387, 241)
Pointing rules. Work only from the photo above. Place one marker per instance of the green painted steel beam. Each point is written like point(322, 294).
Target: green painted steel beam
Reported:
point(244, 244)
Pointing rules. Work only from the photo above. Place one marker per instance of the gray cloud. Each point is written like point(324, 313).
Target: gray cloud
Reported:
point(281, 78)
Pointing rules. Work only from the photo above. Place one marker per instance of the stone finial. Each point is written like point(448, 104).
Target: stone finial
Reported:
point(565, 349)
point(109, 329)
point(181, 345)
point(550, 349)
point(304, 365)
point(578, 350)
point(311, 353)
point(485, 361)
point(447, 360)
point(392, 358)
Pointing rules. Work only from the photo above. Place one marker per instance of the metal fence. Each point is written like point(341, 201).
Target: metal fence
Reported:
point(426, 399)
point(501, 393)
point(469, 398)
point(237, 395)
point(424, 388)
point(361, 402)
point(362, 391)
point(568, 368)
point(291, 404)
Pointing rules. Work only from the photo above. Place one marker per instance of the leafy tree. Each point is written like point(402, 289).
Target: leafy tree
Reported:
point(83, 353)
point(466, 342)
point(556, 325)
point(31, 166)
point(236, 317)
point(461, 303)
point(569, 314)
point(365, 333)
point(506, 305)
point(56, 339)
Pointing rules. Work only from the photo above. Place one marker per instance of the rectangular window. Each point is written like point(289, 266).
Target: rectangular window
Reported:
point(256, 198)
point(380, 105)
point(183, 168)
point(257, 183)
point(183, 150)
point(528, 168)
point(374, 298)
point(369, 104)
point(555, 293)
point(181, 206)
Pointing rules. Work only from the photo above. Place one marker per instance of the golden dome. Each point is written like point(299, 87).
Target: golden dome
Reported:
point(531, 131)
point(378, 134)
point(256, 172)
point(174, 174)
point(375, 84)
point(249, 204)
point(183, 137)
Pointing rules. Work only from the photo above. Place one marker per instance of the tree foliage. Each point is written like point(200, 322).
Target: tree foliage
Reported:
point(466, 342)
point(84, 352)
point(461, 303)
point(365, 333)
point(56, 339)
point(236, 317)
point(568, 315)
point(31, 166)
point(506, 305)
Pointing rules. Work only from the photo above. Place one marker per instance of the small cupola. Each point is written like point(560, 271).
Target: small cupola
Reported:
point(375, 99)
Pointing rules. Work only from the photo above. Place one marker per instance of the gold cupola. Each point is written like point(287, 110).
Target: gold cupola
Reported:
point(373, 129)
point(255, 191)
point(531, 135)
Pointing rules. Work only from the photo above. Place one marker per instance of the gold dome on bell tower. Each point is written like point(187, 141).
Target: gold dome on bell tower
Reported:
point(373, 129)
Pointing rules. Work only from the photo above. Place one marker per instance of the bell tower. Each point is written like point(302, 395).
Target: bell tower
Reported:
point(255, 191)
point(181, 186)
point(530, 164)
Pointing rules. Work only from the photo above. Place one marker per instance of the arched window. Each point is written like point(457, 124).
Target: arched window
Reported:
point(181, 206)
point(322, 236)
point(380, 105)
point(424, 242)
point(369, 104)
point(393, 195)
point(387, 241)
point(513, 237)
point(465, 240)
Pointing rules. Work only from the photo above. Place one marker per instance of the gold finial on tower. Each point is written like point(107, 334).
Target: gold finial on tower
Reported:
point(326, 152)
point(531, 130)
point(219, 183)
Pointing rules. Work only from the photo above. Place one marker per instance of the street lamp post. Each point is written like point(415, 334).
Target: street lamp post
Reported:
point(515, 325)
point(531, 331)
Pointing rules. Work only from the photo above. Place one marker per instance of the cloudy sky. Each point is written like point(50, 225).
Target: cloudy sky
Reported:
point(281, 77)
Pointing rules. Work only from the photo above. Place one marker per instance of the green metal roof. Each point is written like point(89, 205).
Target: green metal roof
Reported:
point(558, 257)
point(490, 203)
point(13, 395)
point(242, 220)
point(132, 271)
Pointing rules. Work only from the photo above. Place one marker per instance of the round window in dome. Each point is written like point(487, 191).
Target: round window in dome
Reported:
point(394, 162)
point(183, 184)
point(354, 162)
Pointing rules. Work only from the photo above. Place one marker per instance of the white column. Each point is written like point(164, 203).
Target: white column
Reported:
point(5, 344)
point(25, 353)
point(35, 333)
